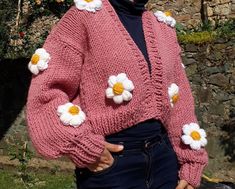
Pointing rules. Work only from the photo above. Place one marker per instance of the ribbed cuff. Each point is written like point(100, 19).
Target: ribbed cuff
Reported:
point(87, 150)
point(191, 172)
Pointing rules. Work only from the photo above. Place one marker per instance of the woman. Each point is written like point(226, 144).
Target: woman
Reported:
point(110, 92)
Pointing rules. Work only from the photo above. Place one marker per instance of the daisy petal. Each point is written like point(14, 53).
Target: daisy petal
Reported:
point(75, 121)
point(40, 51)
point(195, 126)
point(61, 109)
point(187, 129)
point(126, 95)
point(112, 81)
point(187, 139)
point(173, 23)
point(202, 132)
point(42, 65)
point(109, 93)
point(128, 85)
point(66, 118)
point(98, 4)
point(46, 58)
point(82, 115)
point(196, 145)
point(34, 69)
point(121, 77)
point(118, 99)
point(203, 142)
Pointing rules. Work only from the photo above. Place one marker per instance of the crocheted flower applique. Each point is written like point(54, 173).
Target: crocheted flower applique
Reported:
point(173, 92)
point(120, 88)
point(89, 5)
point(194, 136)
point(165, 17)
point(39, 61)
point(71, 114)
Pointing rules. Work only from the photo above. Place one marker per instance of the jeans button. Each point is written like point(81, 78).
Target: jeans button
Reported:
point(147, 144)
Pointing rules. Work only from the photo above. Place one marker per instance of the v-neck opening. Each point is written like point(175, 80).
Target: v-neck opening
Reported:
point(153, 82)
point(128, 37)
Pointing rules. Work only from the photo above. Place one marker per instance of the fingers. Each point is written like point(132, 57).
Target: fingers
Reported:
point(182, 184)
point(105, 161)
point(189, 187)
point(99, 167)
point(106, 158)
point(113, 147)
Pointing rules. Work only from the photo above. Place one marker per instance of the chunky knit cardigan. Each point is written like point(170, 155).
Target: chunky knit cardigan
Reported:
point(87, 48)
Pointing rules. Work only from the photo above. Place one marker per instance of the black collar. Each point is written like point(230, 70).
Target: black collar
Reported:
point(128, 7)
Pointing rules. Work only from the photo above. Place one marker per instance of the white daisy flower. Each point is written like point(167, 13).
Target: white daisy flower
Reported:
point(120, 88)
point(165, 17)
point(39, 61)
point(71, 114)
point(89, 5)
point(173, 92)
point(194, 136)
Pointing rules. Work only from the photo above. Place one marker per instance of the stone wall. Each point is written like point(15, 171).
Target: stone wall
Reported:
point(192, 12)
point(211, 71)
point(220, 9)
point(35, 27)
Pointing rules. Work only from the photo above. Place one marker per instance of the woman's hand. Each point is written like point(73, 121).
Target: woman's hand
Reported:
point(106, 159)
point(183, 184)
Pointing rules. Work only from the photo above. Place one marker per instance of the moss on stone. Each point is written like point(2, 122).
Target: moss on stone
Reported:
point(197, 37)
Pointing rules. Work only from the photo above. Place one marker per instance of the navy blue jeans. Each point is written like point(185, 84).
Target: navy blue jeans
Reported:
point(147, 163)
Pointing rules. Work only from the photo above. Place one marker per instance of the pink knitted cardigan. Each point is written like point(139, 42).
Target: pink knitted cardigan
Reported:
point(86, 48)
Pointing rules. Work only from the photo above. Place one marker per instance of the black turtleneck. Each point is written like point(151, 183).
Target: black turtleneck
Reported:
point(130, 14)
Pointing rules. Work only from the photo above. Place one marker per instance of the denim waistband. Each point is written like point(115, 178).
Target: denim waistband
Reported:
point(141, 131)
point(141, 144)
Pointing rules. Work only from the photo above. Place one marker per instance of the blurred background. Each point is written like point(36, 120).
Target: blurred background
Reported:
point(206, 32)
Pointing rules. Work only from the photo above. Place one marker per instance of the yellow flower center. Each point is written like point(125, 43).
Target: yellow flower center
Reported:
point(168, 13)
point(175, 98)
point(88, 1)
point(35, 58)
point(74, 110)
point(195, 135)
point(118, 88)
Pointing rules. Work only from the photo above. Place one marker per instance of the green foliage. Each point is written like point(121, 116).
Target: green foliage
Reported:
point(206, 33)
point(197, 37)
point(47, 7)
point(24, 44)
point(22, 153)
point(3, 37)
point(226, 29)
point(7, 9)
point(25, 179)
point(9, 180)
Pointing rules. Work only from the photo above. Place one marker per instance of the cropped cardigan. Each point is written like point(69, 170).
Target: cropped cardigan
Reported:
point(87, 53)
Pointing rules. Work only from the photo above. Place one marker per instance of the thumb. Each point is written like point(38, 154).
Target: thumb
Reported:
point(113, 147)
point(182, 184)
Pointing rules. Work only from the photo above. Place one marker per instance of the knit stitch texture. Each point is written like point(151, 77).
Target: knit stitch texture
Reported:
point(85, 49)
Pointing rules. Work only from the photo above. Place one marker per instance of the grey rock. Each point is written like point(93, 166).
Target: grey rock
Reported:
point(190, 48)
point(217, 109)
point(219, 80)
point(213, 70)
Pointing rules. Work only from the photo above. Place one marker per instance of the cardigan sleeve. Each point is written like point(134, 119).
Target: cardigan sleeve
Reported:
point(55, 86)
point(191, 161)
